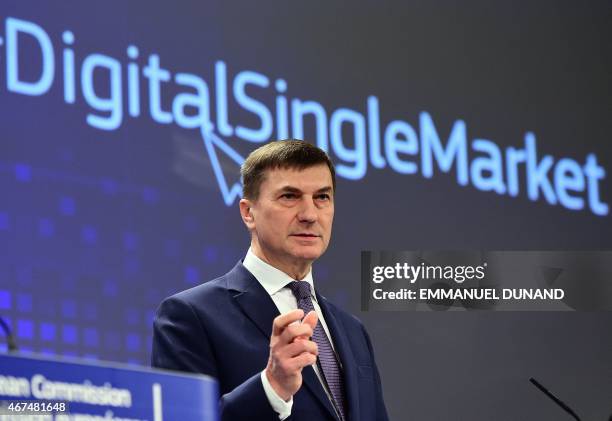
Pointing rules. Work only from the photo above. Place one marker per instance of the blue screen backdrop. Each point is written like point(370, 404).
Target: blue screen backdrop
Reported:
point(453, 126)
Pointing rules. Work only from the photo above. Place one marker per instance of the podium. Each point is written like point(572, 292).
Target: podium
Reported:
point(101, 391)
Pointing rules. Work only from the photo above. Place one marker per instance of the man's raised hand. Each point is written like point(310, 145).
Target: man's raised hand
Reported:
point(290, 351)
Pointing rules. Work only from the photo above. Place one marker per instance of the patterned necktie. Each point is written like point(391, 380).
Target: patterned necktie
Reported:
point(327, 361)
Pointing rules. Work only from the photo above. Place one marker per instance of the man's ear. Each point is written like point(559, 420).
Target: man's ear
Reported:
point(246, 213)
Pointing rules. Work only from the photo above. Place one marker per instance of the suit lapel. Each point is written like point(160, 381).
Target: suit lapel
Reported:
point(347, 358)
point(252, 298)
point(310, 379)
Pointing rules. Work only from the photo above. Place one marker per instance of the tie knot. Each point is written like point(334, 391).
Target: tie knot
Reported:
point(301, 289)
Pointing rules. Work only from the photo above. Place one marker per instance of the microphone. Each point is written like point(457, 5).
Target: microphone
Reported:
point(10, 339)
point(554, 398)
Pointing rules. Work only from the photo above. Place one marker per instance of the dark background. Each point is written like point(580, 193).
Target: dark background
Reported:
point(97, 227)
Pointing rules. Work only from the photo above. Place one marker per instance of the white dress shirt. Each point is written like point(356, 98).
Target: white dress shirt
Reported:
point(274, 280)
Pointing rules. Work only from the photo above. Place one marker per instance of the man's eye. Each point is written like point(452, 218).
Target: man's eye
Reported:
point(323, 197)
point(288, 195)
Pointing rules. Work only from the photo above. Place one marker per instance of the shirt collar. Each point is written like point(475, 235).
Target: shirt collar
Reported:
point(271, 278)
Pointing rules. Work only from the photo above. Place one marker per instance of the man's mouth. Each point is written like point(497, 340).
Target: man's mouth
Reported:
point(306, 235)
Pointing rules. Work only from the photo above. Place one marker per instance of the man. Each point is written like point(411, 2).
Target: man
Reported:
point(278, 349)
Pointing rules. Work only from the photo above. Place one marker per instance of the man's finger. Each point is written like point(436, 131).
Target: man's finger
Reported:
point(311, 318)
point(298, 347)
point(294, 331)
point(300, 361)
point(282, 321)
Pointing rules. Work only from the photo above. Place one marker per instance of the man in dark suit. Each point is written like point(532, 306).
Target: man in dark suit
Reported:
point(278, 348)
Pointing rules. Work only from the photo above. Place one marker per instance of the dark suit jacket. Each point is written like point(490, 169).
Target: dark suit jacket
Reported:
point(222, 328)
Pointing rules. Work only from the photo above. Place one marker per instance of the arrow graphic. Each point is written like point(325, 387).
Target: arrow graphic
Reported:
point(212, 141)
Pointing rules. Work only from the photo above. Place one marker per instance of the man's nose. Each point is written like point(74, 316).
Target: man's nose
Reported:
point(308, 210)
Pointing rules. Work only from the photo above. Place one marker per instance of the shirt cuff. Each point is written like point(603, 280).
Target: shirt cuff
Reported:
point(283, 408)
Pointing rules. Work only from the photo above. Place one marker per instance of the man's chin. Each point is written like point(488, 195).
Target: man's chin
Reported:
point(309, 253)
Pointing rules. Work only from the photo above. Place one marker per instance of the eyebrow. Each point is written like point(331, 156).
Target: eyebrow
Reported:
point(291, 189)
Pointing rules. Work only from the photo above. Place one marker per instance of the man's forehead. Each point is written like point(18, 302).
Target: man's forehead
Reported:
point(315, 177)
